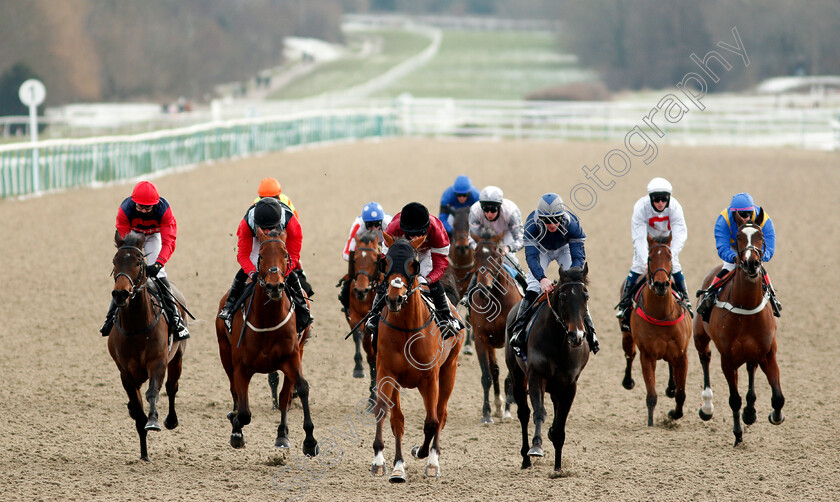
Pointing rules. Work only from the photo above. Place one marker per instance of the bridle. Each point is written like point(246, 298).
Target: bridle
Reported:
point(376, 277)
point(558, 317)
point(750, 247)
point(139, 283)
point(494, 252)
point(273, 270)
point(651, 275)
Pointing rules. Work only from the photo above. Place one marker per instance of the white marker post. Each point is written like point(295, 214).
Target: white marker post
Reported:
point(32, 93)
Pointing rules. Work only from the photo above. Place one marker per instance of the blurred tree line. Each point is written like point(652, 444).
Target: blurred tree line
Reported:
point(117, 50)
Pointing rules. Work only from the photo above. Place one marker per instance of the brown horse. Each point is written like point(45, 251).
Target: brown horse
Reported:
point(490, 301)
point(661, 328)
point(411, 353)
point(462, 260)
point(744, 331)
point(138, 342)
point(556, 356)
point(263, 339)
point(365, 277)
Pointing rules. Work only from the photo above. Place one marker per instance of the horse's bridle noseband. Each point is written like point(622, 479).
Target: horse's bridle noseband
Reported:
point(374, 279)
point(139, 283)
point(750, 247)
point(652, 274)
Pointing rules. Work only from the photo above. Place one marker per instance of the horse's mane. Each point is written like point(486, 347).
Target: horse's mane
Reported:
point(274, 233)
point(485, 234)
point(368, 237)
point(576, 274)
point(461, 220)
point(135, 239)
point(661, 239)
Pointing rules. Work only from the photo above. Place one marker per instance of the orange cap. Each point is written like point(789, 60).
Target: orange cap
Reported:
point(269, 187)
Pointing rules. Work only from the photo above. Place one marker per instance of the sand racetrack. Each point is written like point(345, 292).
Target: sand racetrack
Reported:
point(66, 431)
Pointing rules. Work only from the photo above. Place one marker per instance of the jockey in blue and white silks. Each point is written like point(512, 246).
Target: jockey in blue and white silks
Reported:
point(742, 208)
point(460, 194)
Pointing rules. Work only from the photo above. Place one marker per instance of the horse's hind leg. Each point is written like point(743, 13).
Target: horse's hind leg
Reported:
point(523, 413)
point(730, 371)
point(649, 375)
point(536, 389)
point(358, 369)
point(486, 380)
point(135, 411)
point(701, 343)
point(671, 389)
point(508, 397)
point(771, 369)
point(273, 384)
point(283, 401)
point(157, 371)
point(173, 374)
point(629, 354)
point(748, 415)
point(557, 432)
point(679, 372)
point(494, 372)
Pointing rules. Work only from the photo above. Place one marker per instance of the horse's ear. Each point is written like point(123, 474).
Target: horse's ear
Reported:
point(356, 237)
point(389, 239)
point(118, 240)
point(585, 268)
point(759, 218)
point(418, 241)
point(649, 240)
point(414, 267)
point(283, 235)
point(260, 235)
point(670, 236)
point(474, 236)
point(562, 273)
point(383, 265)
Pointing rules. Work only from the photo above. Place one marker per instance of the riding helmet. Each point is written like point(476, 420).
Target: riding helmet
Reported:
point(462, 184)
point(372, 212)
point(145, 193)
point(414, 218)
point(269, 187)
point(268, 213)
point(659, 187)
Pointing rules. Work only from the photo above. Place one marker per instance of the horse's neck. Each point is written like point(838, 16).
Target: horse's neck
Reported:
point(139, 313)
point(413, 314)
point(265, 308)
point(657, 306)
point(745, 292)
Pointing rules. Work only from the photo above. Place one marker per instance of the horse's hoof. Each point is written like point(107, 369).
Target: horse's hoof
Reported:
point(776, 422)
point(535, 451)
point(170, 422)
point(507, 415)
point(526, 463)
point(675, 415)
point(152, 425)
point(144, 459)
point(282, 442)
point(377, 470)
point(432, 471)
point(237, 440)
point(468, 350)
point(749, 416)
point(738, 440)
point(704, 416)
point(628, 383)
point(310, 449)
point(358, 373)
point(415, 452)
point(398, 476)
point(486, 419)
point(671, 392)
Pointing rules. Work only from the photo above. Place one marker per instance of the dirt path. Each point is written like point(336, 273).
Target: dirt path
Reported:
point(66, 431)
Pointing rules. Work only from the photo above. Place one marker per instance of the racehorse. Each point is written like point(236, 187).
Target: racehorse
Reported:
point(263, 339)
point(462, 260)
point(138, 342)
point(557, 353)
point(490, 301)
point(411, 353)
point(365, 277)
point(660, 328)
point(744, 331)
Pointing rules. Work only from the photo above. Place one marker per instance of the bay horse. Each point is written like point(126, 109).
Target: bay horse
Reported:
point(263, 339)
point(413, 354)
point(462, 260)
point(743, 328)
point(661, 328)
point(365, 277)
point(138, 341)
point(489, 303)
point(556, 355)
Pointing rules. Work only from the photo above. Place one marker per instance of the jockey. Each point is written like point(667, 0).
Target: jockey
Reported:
point(496, 215)
point(268, 214)
point(657, 215)
point(552, 233)
point(741, 209)
point(372, 219)
point(149, 213)
point(413, 221)
point(460, 194)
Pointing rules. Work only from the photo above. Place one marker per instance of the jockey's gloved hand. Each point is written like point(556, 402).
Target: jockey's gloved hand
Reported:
point(253, 276)
point(152, 270)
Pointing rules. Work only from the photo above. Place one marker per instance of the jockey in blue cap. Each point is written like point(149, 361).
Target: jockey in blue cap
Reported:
point(742, 209)
point(460, 194)
point(373, 219)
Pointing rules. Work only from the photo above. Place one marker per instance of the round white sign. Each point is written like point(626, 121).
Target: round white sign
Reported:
point(32, 92)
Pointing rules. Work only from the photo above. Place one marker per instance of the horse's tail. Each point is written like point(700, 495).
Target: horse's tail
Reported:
point(450, 287)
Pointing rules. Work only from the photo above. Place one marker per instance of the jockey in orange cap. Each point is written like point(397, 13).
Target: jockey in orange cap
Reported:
point(270, 187)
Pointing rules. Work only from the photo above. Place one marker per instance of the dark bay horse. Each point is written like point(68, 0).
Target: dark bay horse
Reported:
point(744, 331)
point(557, 353)
point(411, 353)
point(462, 260)
point(661, 328)
point(365, 277)
point(489, 303)
point(138, 342)
point(263, 339)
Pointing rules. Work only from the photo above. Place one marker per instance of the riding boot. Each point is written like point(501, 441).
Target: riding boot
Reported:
point(704, 306)
point(590, 333)
point(517, 336)
point(774, 302)
point(177, 326)
point(303, 316)
point(304, 282)
point(109, 319)
point(626, 301)
point(522, 281)
point(344, 294)
point(236, 290)
point(448, 324)
point(679, 285)
point(465, 300)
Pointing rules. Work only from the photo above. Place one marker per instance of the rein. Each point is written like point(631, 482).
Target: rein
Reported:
point(136, 287)
point(557, 316)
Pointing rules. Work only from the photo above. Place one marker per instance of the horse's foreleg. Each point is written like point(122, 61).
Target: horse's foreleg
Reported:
point(557, 432)
point(536, 389)
point(748, 415)
point(679, 372)
point(523, 413)
point(398, 429)
point(284, 399)
point(380, 409)
point(242, 416)
point(649, 375)
point(135, 411)
point(771, 369)
point(730, 371)
point(358, 369)
point(486, 381)
point(157, 372)
point(671, 389)
point(629, 354)
point(173, 374)
point(494, 372)
point(701, 343)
